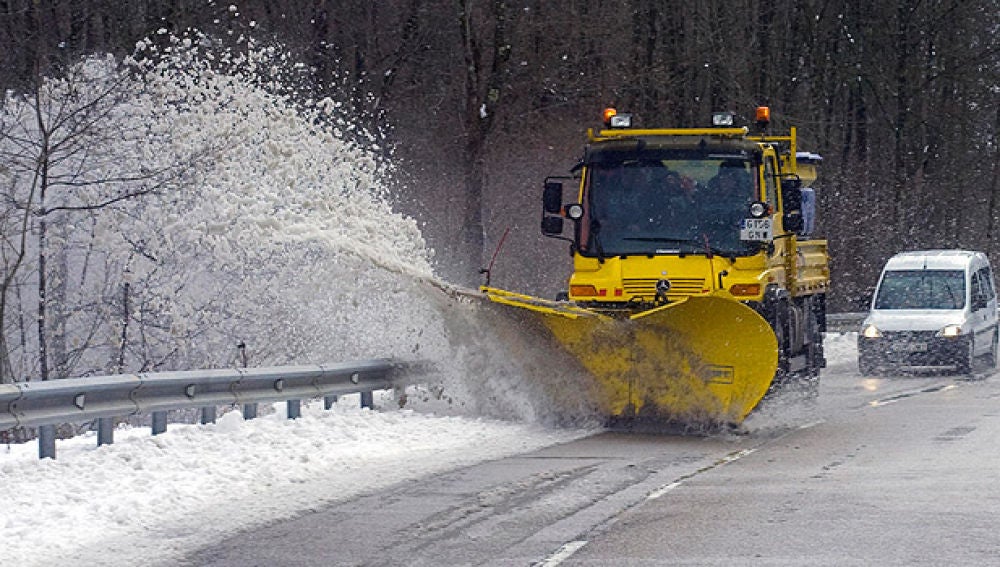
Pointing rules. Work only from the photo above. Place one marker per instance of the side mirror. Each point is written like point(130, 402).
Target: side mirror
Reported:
point(791, 203)
point(552, 225)
point(791, 194)
point(552, 197)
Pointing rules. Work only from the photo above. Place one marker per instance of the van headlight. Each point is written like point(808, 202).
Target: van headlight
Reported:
point(871, 332)
point(950, 331)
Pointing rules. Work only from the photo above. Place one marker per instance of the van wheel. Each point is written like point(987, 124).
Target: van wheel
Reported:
point(967, 358)
point(866, 366)
point(993, 348)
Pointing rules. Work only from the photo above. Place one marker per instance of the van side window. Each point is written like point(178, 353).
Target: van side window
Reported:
point(980, 295)
point(987, 280)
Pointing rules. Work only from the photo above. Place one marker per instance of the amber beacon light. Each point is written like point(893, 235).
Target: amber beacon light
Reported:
point(763, 116)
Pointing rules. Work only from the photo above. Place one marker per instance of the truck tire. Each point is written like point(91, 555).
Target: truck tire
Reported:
point(778, 318)
point(814, 350)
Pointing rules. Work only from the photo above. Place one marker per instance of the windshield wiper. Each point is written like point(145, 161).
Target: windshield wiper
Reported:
point(697, 245)
point(662, 239)
point(693, 243)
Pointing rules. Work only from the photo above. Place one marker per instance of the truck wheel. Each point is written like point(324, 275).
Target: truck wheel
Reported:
point(814, 350)
point(779, 322)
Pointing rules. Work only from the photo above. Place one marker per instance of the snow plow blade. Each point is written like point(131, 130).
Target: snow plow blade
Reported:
point(700, 361)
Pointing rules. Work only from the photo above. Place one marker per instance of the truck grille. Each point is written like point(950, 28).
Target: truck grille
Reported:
point(646, 287)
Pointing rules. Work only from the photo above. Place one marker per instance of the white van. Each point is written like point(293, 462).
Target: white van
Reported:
point(931, 308)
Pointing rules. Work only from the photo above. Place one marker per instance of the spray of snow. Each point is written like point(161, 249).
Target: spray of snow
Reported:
point(277, 230)
point(261, 217)
point(312, 206)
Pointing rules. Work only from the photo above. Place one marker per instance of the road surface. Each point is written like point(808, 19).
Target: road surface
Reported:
point(896, 470)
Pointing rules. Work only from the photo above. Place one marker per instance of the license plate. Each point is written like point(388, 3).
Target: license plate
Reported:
point(756, 230)
point(909, 347)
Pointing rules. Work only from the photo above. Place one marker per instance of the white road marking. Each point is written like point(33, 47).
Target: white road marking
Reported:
point(723, 461)
point(662, 490)
point(562, 554)
point(904, 395)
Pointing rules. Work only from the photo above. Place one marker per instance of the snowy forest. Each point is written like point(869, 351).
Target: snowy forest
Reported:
point(190, 183)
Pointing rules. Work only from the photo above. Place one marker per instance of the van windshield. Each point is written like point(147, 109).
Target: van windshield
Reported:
point(921, 289)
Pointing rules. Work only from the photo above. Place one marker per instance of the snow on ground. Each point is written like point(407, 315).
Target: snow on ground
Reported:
point(148, 499)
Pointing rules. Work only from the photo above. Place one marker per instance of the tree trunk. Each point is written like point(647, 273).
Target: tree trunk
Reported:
point(43, 356)
point(483, 90)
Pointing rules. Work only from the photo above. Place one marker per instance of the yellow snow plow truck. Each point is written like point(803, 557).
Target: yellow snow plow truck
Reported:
point(697, 286)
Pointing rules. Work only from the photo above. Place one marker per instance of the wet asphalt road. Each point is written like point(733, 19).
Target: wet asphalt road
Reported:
point(897, 470)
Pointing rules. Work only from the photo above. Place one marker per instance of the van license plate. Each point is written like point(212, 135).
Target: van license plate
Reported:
point(909, 347)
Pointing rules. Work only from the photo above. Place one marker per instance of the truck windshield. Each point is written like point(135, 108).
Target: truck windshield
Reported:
point(664, 204)
point(921, 289)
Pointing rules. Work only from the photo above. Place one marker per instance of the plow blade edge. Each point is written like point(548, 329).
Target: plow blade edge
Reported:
point(699, 361)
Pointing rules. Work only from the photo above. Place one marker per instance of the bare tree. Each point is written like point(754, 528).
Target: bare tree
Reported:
point(62, 145)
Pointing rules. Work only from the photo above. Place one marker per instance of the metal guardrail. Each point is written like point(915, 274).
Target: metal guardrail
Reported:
point(75, 400)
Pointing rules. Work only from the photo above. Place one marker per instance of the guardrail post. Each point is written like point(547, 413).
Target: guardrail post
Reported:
point(46, 441)
point(105, 431)
point(294, 409)
point(328, 401)
point(368, 399)
point(159, 422)
point(249, 411)
point(207, 415)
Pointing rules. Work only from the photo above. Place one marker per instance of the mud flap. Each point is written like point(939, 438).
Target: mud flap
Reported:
point(699, 361)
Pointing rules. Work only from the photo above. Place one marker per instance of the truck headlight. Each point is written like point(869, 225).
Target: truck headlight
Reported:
point(574, 211)
point(758, 209)
point(871, 332)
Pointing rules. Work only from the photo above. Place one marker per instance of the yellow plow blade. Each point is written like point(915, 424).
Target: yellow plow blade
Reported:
point(700, 361)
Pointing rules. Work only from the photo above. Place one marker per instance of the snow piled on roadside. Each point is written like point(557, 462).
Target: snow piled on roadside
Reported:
point(148, 499)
